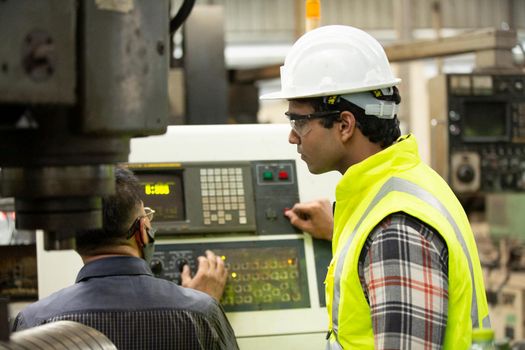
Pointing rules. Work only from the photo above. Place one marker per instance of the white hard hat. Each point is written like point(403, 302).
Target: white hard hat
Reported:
point(333, 60)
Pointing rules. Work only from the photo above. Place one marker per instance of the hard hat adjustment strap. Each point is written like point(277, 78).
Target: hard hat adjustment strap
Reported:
point(383, 110)
point(373, 106)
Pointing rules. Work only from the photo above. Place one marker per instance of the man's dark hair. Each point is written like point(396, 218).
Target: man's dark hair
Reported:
point(382, 131)
point(119, 211)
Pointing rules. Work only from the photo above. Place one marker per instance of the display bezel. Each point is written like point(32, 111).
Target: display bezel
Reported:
point(495, 108)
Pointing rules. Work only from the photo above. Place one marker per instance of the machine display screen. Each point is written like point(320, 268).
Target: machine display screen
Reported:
point(163, 192)
point(485, 121)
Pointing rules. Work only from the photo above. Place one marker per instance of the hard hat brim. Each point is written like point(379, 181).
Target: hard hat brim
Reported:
point(284, 95)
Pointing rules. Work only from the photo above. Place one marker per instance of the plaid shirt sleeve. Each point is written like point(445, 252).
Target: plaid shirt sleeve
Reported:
point(403, 269)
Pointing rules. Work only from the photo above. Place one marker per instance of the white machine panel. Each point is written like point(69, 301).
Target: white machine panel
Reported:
point(302, 326)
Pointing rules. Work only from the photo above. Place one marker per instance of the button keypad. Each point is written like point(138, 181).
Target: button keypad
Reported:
point(223, 200)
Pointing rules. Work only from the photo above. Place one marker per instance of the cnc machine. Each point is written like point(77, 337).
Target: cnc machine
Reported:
point(224, 188)
point(477, 140)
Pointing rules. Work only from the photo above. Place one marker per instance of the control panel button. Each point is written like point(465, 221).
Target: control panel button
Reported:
point(263, 275)
point(503, 86)
point(156, 266)
point(180, 264)
point(271, 214)
point(283, 175)
point(267, 175)
point(518, 85)
point(454, 129)
point(454, 116)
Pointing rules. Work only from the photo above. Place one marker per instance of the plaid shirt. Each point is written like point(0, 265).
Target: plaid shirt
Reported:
point(403, 269)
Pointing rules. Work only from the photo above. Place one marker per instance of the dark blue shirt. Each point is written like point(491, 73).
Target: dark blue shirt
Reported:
point(120, 297)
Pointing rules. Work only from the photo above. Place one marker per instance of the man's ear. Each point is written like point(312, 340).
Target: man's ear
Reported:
point(347, 125)
point(143, 234)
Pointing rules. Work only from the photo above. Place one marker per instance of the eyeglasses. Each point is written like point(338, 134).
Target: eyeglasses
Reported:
point(149, 214)
point(299, 122)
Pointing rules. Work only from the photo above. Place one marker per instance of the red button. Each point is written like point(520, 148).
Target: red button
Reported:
point(283, 175)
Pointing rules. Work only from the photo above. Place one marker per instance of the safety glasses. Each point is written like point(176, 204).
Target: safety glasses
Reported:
point(300, 122)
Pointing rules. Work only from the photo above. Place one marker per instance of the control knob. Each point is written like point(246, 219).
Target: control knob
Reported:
point(156, 266)
point(179, 264)
point(465, 173)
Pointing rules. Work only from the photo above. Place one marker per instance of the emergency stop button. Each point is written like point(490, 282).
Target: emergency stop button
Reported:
point(283, 175)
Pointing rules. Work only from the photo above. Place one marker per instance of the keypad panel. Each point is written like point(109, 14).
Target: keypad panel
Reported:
point(223, 196)
point(262, 275)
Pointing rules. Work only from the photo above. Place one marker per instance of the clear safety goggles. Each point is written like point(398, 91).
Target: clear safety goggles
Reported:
point(300, 123)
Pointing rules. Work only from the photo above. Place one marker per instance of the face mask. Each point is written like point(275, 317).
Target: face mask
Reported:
point(149, 248)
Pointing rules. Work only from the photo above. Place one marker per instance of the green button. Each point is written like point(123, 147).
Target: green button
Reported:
point(267, 175)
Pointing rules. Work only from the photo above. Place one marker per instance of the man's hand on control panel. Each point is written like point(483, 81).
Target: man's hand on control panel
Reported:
point(314, 217)
point(210, 277)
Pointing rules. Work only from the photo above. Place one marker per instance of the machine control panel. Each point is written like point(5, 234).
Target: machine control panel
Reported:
point(236, 209)
point(262, 275)
point(492, 168)
point(219, 197)
point(275, 189)
point(483, 127)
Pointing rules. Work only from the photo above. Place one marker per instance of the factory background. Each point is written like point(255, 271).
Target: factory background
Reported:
point(457, 58)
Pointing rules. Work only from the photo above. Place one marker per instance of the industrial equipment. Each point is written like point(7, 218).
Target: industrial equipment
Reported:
point(508, 317)
point(477, 144)
point(58, 336)
point(478, 131)
point(78, 79)
point(231, 198)
point(224, 188)
point(18, 280)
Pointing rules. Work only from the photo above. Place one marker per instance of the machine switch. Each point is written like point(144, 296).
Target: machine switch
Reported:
point(283, 175)
point(156, 266)
point(271, 214)
point(180, 263)
point(267, 175)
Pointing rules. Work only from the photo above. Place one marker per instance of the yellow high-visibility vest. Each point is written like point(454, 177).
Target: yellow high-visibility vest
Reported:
point(390, 181)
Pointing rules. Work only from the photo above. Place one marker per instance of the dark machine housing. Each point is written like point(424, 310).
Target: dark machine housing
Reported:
point(78, 79)
point(478, 131)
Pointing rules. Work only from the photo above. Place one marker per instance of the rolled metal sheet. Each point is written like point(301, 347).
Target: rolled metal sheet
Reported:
point(61, 335)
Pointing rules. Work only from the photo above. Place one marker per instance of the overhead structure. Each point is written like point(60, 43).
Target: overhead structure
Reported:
point(492, 47)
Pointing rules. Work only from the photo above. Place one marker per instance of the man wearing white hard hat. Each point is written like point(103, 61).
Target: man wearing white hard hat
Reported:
point(405, 272)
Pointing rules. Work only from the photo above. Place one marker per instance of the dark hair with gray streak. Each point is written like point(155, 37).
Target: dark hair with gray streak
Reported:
point(119, 211)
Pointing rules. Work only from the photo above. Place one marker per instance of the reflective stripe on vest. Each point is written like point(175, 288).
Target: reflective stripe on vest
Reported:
point(333, 346)
point(401, 185)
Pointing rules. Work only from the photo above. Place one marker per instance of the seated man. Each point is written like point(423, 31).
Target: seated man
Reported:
point(116, 293)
